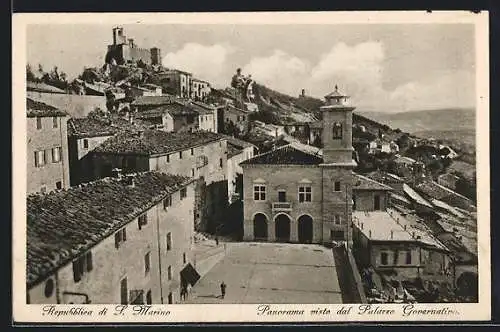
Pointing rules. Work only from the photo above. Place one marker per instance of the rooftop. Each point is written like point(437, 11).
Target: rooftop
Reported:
point(335, 93)
point(153, 100)
point(286, 155)
point(63, 224)
point(94, 126)
point(39, 109)
point(405, 160)
point(437, 191)
point(156, 142)
point(390, 225)
point(42, 87)
point(361, 182)
point(415, 196)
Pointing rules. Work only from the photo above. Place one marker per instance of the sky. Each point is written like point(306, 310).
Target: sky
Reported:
point(383, 67)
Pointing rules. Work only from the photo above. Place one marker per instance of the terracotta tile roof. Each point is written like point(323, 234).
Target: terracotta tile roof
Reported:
point(238, 142)
point(102, 126)
point(42, 87)
point(63, 224)
point(153, 100)
point(361, 182)
point(155, 142)
point(233, 150)
point(38, 109)
point(201, 108)
point(286, 155)
point(437, 191)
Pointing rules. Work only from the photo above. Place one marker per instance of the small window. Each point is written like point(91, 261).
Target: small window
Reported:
point(408, 258)
point(49, 288)
point(220, 163)
point(180, 154)
point(58, 185)
point(168, 158)
point(56, 154)
point(40, 158)
point(38, 123)
point(337, 131)
point(305, 194)
point(192, 151)
point(147, 262)
point(167, 202)
point(183, 193)
point(384, 258)
point(82, 265)
point(184, 258)
point(192, 171)
point(169, 272)
point(259, 192)
point(169, 241)
point(336, 186)
point(123, 291)
point(142, 220)
point(337, 219)
point(120, 237)
point(149, 297)
point(85, 143)
point(54, 122)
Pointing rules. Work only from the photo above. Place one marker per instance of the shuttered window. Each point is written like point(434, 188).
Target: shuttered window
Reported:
point(82, 265)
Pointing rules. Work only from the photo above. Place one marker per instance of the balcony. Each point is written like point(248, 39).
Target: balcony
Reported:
point(281, 206)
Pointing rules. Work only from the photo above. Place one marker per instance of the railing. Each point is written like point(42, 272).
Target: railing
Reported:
point(281, 206)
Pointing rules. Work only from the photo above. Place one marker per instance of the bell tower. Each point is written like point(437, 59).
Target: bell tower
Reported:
point(337, 167)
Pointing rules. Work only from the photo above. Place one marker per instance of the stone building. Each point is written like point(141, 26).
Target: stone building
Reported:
point(47, 147)
point(392, 243)
point(176, 82)
point(292, 195)
point(145, 103)
point(124, 50)
point(199, 89)
point(237, 118)
point(201, 155)
point(85, 134)
point(180, 117)
point(117, 240)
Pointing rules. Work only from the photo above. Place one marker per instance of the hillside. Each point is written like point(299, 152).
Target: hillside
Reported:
point(449, 119)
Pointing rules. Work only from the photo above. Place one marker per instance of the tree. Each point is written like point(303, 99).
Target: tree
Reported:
point(30, 76)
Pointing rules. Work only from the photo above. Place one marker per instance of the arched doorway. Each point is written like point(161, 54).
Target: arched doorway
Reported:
point(260, 227)
point(305, 229)
point(282, 228)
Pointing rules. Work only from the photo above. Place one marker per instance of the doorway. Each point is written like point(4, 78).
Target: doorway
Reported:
point(282, 228)
point(305, 229)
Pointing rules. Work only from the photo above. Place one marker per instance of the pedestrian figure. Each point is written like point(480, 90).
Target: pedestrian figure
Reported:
point(223, 289)
point(216, 241)
point(183, 293)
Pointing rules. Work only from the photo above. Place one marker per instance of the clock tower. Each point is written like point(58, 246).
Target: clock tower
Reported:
point(337, 167)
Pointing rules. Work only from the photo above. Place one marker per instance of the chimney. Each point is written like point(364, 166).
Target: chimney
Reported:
point(116, 173)
point(130, 180)
point(303, 94)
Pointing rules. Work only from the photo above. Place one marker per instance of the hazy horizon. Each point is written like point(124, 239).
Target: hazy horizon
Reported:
point(385, 68)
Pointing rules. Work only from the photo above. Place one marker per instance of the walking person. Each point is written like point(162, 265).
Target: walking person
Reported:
point(217, 241)
point(223, 289)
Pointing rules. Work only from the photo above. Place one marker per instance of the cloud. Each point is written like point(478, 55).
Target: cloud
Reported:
point(204, 61)
point(359, 71)
point(449, 89)
point(280, 70)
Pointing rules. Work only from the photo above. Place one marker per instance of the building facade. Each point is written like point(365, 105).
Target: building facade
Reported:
point(138, 255)
point(199, 89)
point(292, 195)
point(237, 152)
point(235, 118)
point(176, 82)
point(47, 148)
point(200, 155)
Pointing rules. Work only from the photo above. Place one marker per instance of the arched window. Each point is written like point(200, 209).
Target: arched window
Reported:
point(337, 130)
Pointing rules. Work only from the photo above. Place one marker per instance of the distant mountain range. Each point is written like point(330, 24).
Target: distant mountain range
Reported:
point(449, 119)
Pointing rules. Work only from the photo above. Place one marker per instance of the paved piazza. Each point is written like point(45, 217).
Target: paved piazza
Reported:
point(271, 273)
